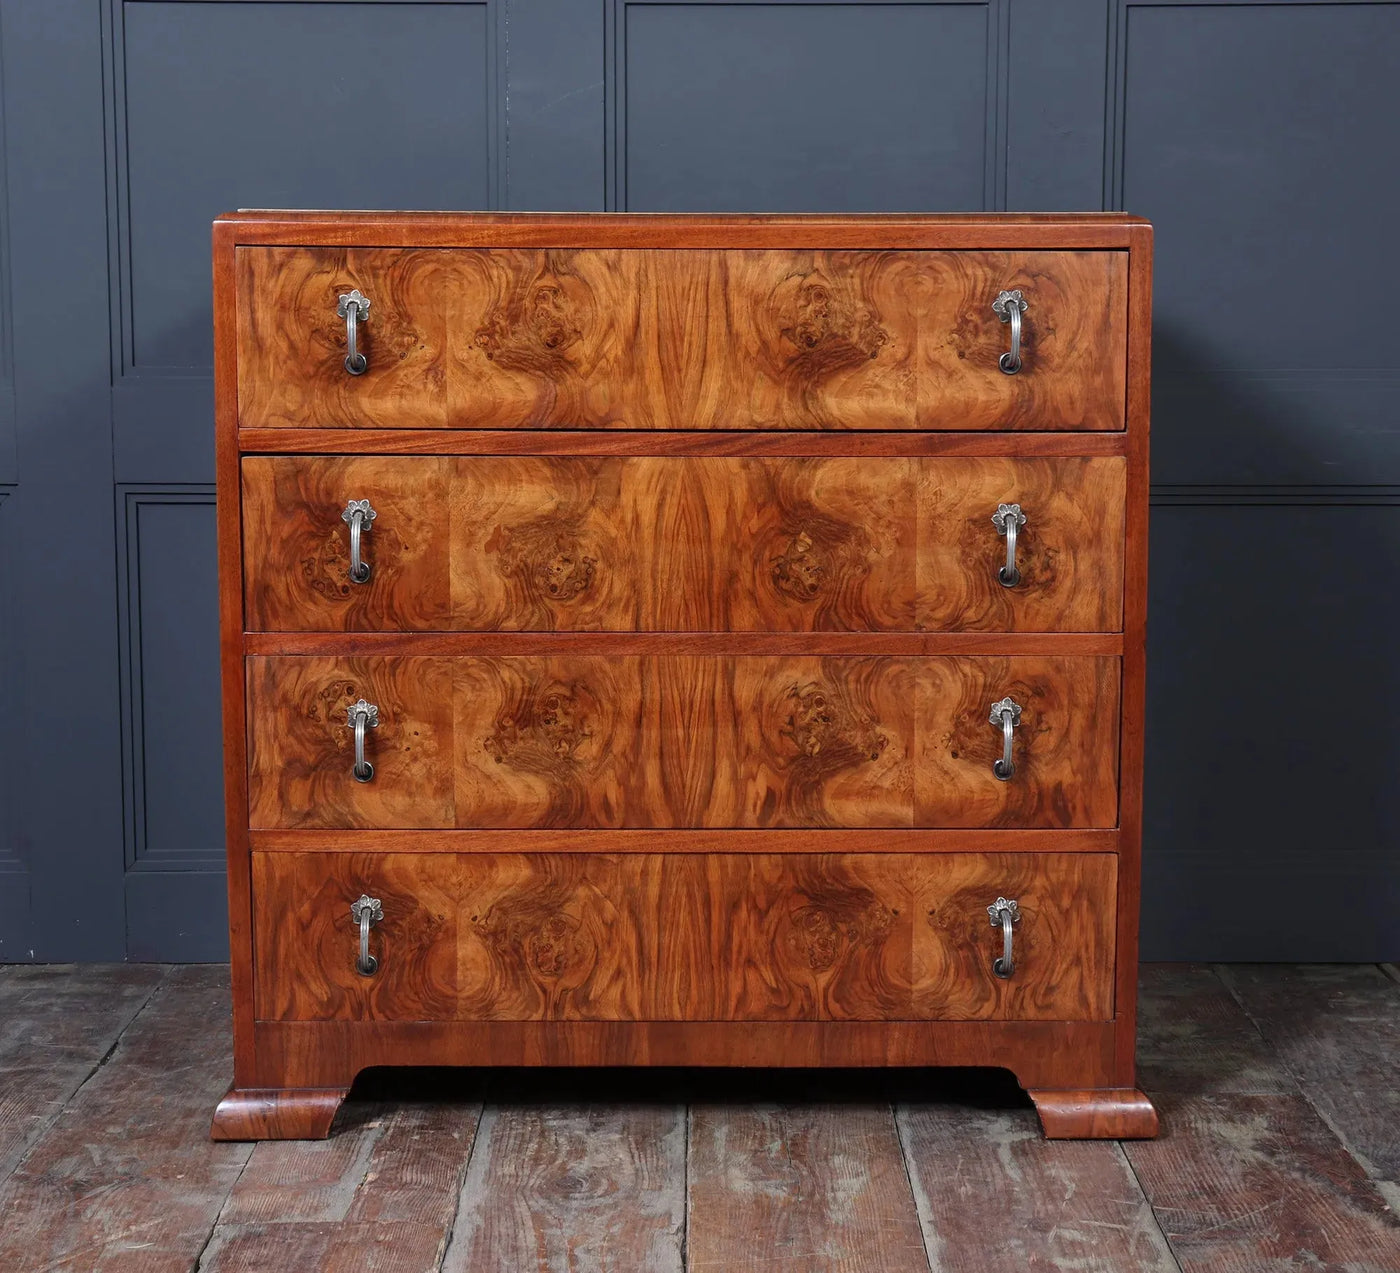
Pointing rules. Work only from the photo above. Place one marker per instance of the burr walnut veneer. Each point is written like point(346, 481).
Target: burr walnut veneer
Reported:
point(682, 640)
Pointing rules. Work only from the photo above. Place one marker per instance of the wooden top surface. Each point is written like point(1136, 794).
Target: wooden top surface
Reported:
point(604, 229)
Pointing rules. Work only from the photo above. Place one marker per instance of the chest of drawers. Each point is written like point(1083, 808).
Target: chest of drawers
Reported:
point(682, 641)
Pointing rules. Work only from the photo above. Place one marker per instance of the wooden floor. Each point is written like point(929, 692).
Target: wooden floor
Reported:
point(1279, 1089)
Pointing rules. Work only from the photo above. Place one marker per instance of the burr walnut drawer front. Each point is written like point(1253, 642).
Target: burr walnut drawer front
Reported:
point(656, 543)
point(651, 937)
point(697, 339)
point(638, 741)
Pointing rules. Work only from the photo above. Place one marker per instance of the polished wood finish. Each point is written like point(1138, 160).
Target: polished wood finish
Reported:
point(279, 1113)
point(328, 441)
point(684, 937)
point(693, 840)
point(787, 409)
point(1039, 1053)
point(456, 644)
point(659, 339)
point(682, 742)
point(671, 544)
point(1110, 1113)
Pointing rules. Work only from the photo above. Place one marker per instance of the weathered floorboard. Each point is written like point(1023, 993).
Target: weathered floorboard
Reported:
point(57, 1022)
point(1194, 1037)
point(386, 1184)
point(559, 1188)
point(387, 1246)
point(1249, 1183)
point(1336, 1029)
point(126, 1180)
point(811, 1188)
point(996, 1197)
point(1266, 1076)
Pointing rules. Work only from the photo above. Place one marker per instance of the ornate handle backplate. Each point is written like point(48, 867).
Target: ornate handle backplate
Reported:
point(353, 307)
point(362, 716)
point(358, 515)
point(1006, 716)
point(1008, 519)
point(367, 912)
point(1009, 306)
point(1005, 915)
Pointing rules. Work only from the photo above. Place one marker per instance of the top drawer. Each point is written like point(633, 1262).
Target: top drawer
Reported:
point(695, 339)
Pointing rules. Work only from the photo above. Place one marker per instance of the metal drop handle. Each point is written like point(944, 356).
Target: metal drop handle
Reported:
point(1005, 914)
point(358, 515)
point(353, 307)
point(362, 716)
point(1006, 716)
point(1009, 306)
point(367, 912)
point(1008, 519)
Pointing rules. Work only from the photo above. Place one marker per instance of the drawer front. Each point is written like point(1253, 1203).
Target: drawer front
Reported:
point(682, 741)
point(652, 937)
point(643, 339)
point(648, 543)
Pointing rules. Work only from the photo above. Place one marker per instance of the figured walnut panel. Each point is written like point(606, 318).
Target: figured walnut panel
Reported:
point(301, 748)
point(1065, 749)
point(710, 544)
point(1069, 552)
point(636, 741)
point(296, 545)
point(671, 937)
point(292, 344)
point(656, 339)
point(306, 940)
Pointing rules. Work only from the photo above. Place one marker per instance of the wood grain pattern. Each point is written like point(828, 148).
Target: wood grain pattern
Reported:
point(55, 1023)
point(375, 1247)
point(277, 1113)
point(332, 441)
point(684, 937)
point(813, 399)
point(296, 545)
point(656, 339)
point(722, 840)
point(1193, 1037)
point(1050, 1054)
point(809, 1188)
point(633, 741)
point(1250, 1182)
point(924, 231)
point(570, 543)
point(392, 1172)
point(1107, 1113)
point(301, 750)
point(996, 1198)
point(555, 1188)
point(292, 345)
point(1069, 552)
point(1335, 1030)
point(125, 1181)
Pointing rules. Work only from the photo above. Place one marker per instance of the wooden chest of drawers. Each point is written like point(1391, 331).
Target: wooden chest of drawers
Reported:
point(682, 640)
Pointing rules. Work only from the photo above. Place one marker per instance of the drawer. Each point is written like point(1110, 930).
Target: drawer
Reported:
point(651, 543)
point(653, 937)
point(644, 339)
point(574, 741)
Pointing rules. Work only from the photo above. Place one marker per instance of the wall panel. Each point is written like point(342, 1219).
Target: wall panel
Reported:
point(1271, 760)
point(806, 107)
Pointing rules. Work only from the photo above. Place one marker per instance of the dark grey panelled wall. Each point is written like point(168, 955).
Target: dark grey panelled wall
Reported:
point(1259, 136)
